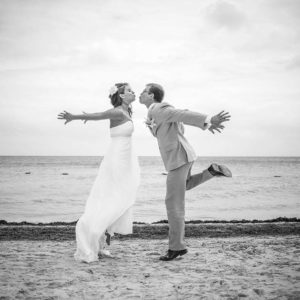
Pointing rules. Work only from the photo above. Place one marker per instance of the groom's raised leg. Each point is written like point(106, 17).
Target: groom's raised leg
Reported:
point(213, 170)
point(197, 179)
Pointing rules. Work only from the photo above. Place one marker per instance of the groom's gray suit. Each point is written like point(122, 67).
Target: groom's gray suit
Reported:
point(178, 156)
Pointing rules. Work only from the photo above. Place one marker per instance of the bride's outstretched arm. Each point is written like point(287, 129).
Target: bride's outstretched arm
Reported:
point(112, 114)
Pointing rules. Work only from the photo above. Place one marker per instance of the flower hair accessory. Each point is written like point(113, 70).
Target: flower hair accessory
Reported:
point(113, 90)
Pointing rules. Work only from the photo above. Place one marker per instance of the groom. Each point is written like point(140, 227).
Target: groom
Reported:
point(165, 123)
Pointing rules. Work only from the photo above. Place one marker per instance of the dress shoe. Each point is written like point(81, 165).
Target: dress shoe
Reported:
point(171, 254)
point(219, 170)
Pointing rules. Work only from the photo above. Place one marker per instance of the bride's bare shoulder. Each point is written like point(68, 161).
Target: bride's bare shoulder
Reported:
point(115, 114)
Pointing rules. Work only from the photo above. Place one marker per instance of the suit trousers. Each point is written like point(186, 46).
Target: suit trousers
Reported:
point(178, 181)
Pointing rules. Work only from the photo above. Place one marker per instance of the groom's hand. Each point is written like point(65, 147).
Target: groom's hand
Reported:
point(212, 128)
point(218, 119)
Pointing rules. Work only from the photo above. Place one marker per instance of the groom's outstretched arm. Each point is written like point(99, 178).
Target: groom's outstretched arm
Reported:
point(170, 114)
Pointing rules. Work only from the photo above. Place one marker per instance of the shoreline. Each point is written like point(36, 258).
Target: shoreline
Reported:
point(66, 232)
point(243, 221)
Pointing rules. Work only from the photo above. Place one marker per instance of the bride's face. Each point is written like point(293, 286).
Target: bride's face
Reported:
point(128, 95)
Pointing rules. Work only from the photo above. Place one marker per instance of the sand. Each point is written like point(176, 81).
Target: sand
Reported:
point(236, 267)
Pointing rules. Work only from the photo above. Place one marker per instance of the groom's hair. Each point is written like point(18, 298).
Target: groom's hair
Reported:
point(157, 90)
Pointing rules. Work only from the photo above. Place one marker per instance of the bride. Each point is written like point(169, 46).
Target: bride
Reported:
point(108, 208)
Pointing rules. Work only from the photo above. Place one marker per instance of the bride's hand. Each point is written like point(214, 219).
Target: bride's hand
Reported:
point(65, 116)
point(84, 121)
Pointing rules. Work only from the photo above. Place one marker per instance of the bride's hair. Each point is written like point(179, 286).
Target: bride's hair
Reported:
point(115, 98)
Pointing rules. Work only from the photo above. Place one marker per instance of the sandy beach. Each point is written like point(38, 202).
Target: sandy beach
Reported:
point(261, 266)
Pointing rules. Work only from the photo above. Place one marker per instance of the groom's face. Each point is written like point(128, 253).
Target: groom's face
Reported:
point(145, 97)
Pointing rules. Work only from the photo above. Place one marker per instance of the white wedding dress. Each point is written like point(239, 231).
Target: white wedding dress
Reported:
point(109, 205)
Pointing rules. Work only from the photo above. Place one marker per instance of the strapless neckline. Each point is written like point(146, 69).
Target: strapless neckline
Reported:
point(120, 124)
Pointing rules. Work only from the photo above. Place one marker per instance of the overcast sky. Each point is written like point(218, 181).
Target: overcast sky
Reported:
point(239, 56)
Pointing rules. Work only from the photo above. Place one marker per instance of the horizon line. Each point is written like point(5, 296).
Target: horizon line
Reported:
point(39, 155)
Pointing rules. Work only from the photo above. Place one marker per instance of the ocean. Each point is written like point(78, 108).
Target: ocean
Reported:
point(55, 188)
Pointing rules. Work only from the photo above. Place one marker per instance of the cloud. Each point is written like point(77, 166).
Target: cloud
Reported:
point(209, 55)
point(225, 15)
point(293, 63)
point(287, 8)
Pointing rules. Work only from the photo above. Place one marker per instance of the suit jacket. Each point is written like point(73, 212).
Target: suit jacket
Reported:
point(175, 150)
